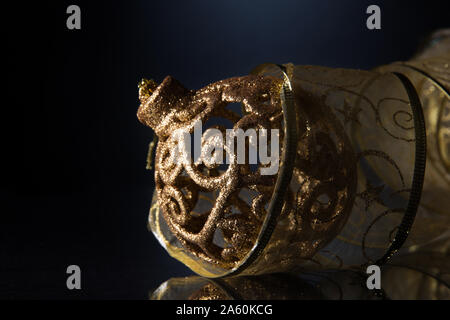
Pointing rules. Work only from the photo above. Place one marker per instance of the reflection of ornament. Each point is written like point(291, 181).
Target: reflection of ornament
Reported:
point(267, 287)
point(415, 276)
point(353, 149)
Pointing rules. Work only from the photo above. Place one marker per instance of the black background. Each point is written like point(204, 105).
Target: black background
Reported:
point(74, 186)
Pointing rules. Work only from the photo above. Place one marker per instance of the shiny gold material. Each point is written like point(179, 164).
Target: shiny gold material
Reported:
point(267, 287)
point(351, 180)
point(417, 276)
point(325, 167)
point(181, 186)
point(146, 88)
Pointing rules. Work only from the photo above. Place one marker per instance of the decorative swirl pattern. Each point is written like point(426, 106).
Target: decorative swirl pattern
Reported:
point(223, 233)
point(351, 180)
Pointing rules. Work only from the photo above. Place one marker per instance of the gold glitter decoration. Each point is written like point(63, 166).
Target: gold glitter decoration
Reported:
point(349, 186)
point(208, 292)
point(239, 219)
point(171, 107)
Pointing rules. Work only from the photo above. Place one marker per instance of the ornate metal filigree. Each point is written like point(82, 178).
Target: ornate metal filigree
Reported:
point(226, 230)
point(350, 185)
point(223, 232)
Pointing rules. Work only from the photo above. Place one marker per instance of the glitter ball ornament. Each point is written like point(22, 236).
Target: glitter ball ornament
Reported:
point(363, 170)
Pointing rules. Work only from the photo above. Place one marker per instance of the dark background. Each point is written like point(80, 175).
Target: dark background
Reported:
point(74, 187)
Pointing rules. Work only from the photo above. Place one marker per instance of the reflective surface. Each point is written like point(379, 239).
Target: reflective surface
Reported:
point(74, 182)
point(421, 275)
